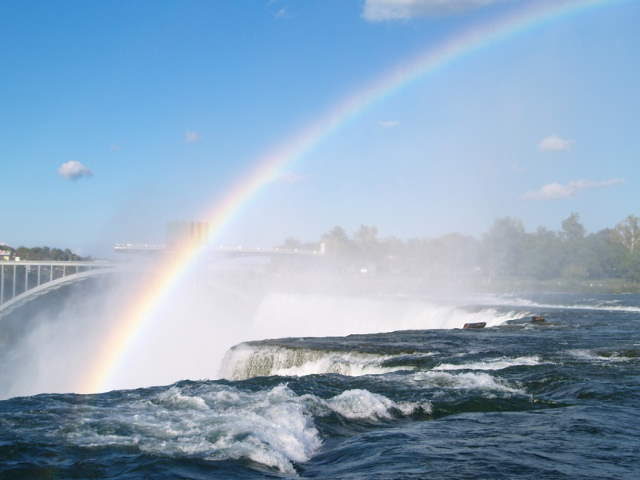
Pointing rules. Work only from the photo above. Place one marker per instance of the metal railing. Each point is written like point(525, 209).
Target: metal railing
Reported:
point(18, 277)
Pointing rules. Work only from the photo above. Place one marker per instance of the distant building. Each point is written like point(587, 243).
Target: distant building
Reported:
point(179, 232)
point(139, 248)
point(5, 252)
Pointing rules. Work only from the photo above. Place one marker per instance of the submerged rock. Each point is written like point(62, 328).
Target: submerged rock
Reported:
point(475, 325)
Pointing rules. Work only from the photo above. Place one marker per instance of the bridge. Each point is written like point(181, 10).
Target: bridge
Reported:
point(24, 280)
point(228, 251)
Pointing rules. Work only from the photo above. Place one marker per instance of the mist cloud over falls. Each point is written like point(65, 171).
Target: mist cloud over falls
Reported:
point(55, 349)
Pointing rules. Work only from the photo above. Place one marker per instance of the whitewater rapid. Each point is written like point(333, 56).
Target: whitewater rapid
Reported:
point(274, 427)
point(379, 405)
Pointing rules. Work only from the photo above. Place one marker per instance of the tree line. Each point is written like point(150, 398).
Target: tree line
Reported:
point(505, 251)
point(42, 253)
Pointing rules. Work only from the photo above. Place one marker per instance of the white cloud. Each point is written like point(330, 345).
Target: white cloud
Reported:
point(555, 143)
point(281, 13)
point(74, 170)
point(191, 137)
point(389, 123)
point(554, 191)
point(381, 10)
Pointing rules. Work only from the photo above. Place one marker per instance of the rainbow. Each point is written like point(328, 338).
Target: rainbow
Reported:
point(140, 313)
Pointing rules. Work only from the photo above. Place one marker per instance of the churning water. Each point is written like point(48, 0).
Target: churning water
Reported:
point(515, 400)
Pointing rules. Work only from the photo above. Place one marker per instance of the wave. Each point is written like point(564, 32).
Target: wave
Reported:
point(605, 306)
point(601, 356)
point(362, 404)
point(459, 381)
point(247, 361)
point(492, 364)
point(274, 428)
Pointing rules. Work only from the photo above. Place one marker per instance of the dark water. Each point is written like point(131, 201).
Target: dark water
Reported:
point(555, 400)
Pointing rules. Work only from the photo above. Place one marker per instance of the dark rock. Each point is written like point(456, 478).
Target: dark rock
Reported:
point(475, 325)
point(538, 319)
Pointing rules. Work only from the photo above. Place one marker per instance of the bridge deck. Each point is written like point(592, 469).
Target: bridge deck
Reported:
point(57, 263)
point(22, 278)
point(221, 250)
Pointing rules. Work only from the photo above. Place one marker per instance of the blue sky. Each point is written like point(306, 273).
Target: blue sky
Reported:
point(118, 117)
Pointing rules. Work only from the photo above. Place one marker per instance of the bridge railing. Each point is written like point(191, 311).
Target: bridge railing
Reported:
point(18, 277)
point(232, 251)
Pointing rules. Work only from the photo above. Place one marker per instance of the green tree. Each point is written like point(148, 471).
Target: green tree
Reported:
point(627, 233)
point(366, 235)
point(504, 247)
point(47, 253)
point(604, 258)
point(338, 244)
point(572, 229)
point(543, 257)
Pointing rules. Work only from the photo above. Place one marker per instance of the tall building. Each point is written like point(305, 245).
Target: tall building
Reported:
point(179, 232)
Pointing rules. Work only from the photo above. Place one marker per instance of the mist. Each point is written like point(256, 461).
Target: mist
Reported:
point(360, 284)
point(50, 345)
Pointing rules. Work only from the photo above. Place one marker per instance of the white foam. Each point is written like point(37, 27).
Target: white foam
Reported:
point(362, 404)
point(593, 356)
point(272, 427)
point(269, 427)
point(606, 306)
point(493, 364)
point(247, 361)
point(463, 381)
